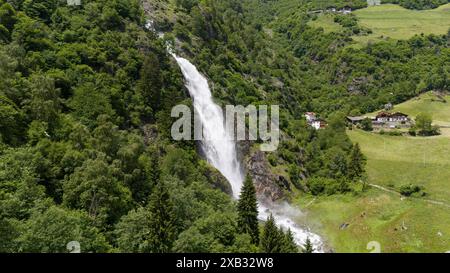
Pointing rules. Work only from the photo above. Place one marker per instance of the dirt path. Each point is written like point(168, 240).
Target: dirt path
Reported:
point(431, 201)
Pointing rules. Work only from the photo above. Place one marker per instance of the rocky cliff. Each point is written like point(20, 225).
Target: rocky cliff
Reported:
point(268, 185)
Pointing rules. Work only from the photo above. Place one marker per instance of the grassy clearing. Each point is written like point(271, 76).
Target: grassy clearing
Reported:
point(395, 22)
point(399, 225)
point(396, 161)
point(326, 21)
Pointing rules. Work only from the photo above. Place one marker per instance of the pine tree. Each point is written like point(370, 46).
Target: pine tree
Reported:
point(289, 244)
point(356, 163)
point(162, 227)
point(270, 240)
point(154, 172)
point(248, 210)
point(308, 247)
point(150, 83)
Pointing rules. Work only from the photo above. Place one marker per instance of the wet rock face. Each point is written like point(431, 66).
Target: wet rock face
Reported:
point(217, 180)
point(268, 185)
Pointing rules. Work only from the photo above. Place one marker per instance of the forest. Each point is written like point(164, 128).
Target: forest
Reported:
point(85, 99)
point(85, 151)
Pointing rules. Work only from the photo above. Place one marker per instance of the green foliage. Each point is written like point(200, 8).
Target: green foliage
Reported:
point(356, 163)
point(271, 238)
point(79, 88)
point(308, 247)
point(95, 188)
point(409, 190)
point(424, 125)
point(275, 240)
point(215, 233)
point(289, 245)
point(162, 226)
point(327, 186)
point(366, 125)
point(133, 231)
point(248, 210)
point(339, 4)
point(187, 4)
point(52, 230)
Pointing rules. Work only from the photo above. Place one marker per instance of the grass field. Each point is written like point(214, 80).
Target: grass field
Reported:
point(422, 160)
point(326, 21)
point(397, 161)
point(392, 22)
point(399, 224)
point(399, 23)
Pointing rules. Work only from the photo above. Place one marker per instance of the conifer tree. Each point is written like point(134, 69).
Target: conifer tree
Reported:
point(248, 210)
point(289, 244)
point(162, 228)
point(154, 171)
point(270, 240)
point(356, 163)
point(308, 247)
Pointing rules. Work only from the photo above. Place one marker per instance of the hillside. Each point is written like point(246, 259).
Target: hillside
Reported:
point(400, 224)
point(436, 106)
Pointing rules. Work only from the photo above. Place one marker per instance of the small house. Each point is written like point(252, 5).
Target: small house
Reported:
point(318, 124)
point(310, 116)
point(384, 117)
point(313, 121)
point(355, 120)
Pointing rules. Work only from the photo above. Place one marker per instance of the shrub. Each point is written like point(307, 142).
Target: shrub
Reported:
point(409, 190)
point(366, 124)
point(327, 186)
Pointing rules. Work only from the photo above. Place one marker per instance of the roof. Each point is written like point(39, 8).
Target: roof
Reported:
point(388, 115)
point(356, 118)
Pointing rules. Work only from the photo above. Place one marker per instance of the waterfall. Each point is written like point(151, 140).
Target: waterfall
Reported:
point(220, 151)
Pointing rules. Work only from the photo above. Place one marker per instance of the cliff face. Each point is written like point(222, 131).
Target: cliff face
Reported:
point(217, 180)
point(268, 185)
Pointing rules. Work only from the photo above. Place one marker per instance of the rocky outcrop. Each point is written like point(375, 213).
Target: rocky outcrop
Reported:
point(217, 180)
point(268, 185)
point(358, 85)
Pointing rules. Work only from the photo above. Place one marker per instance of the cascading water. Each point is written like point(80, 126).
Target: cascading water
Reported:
point(220, 151)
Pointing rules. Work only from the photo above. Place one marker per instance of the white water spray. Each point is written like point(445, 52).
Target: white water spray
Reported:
point(220, 151)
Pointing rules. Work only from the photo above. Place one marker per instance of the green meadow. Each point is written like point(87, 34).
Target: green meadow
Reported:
point(394, 161)
point(392, 22)
point(395, 22)
point(399, 225)
point(437, 107)
point(326, 21)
